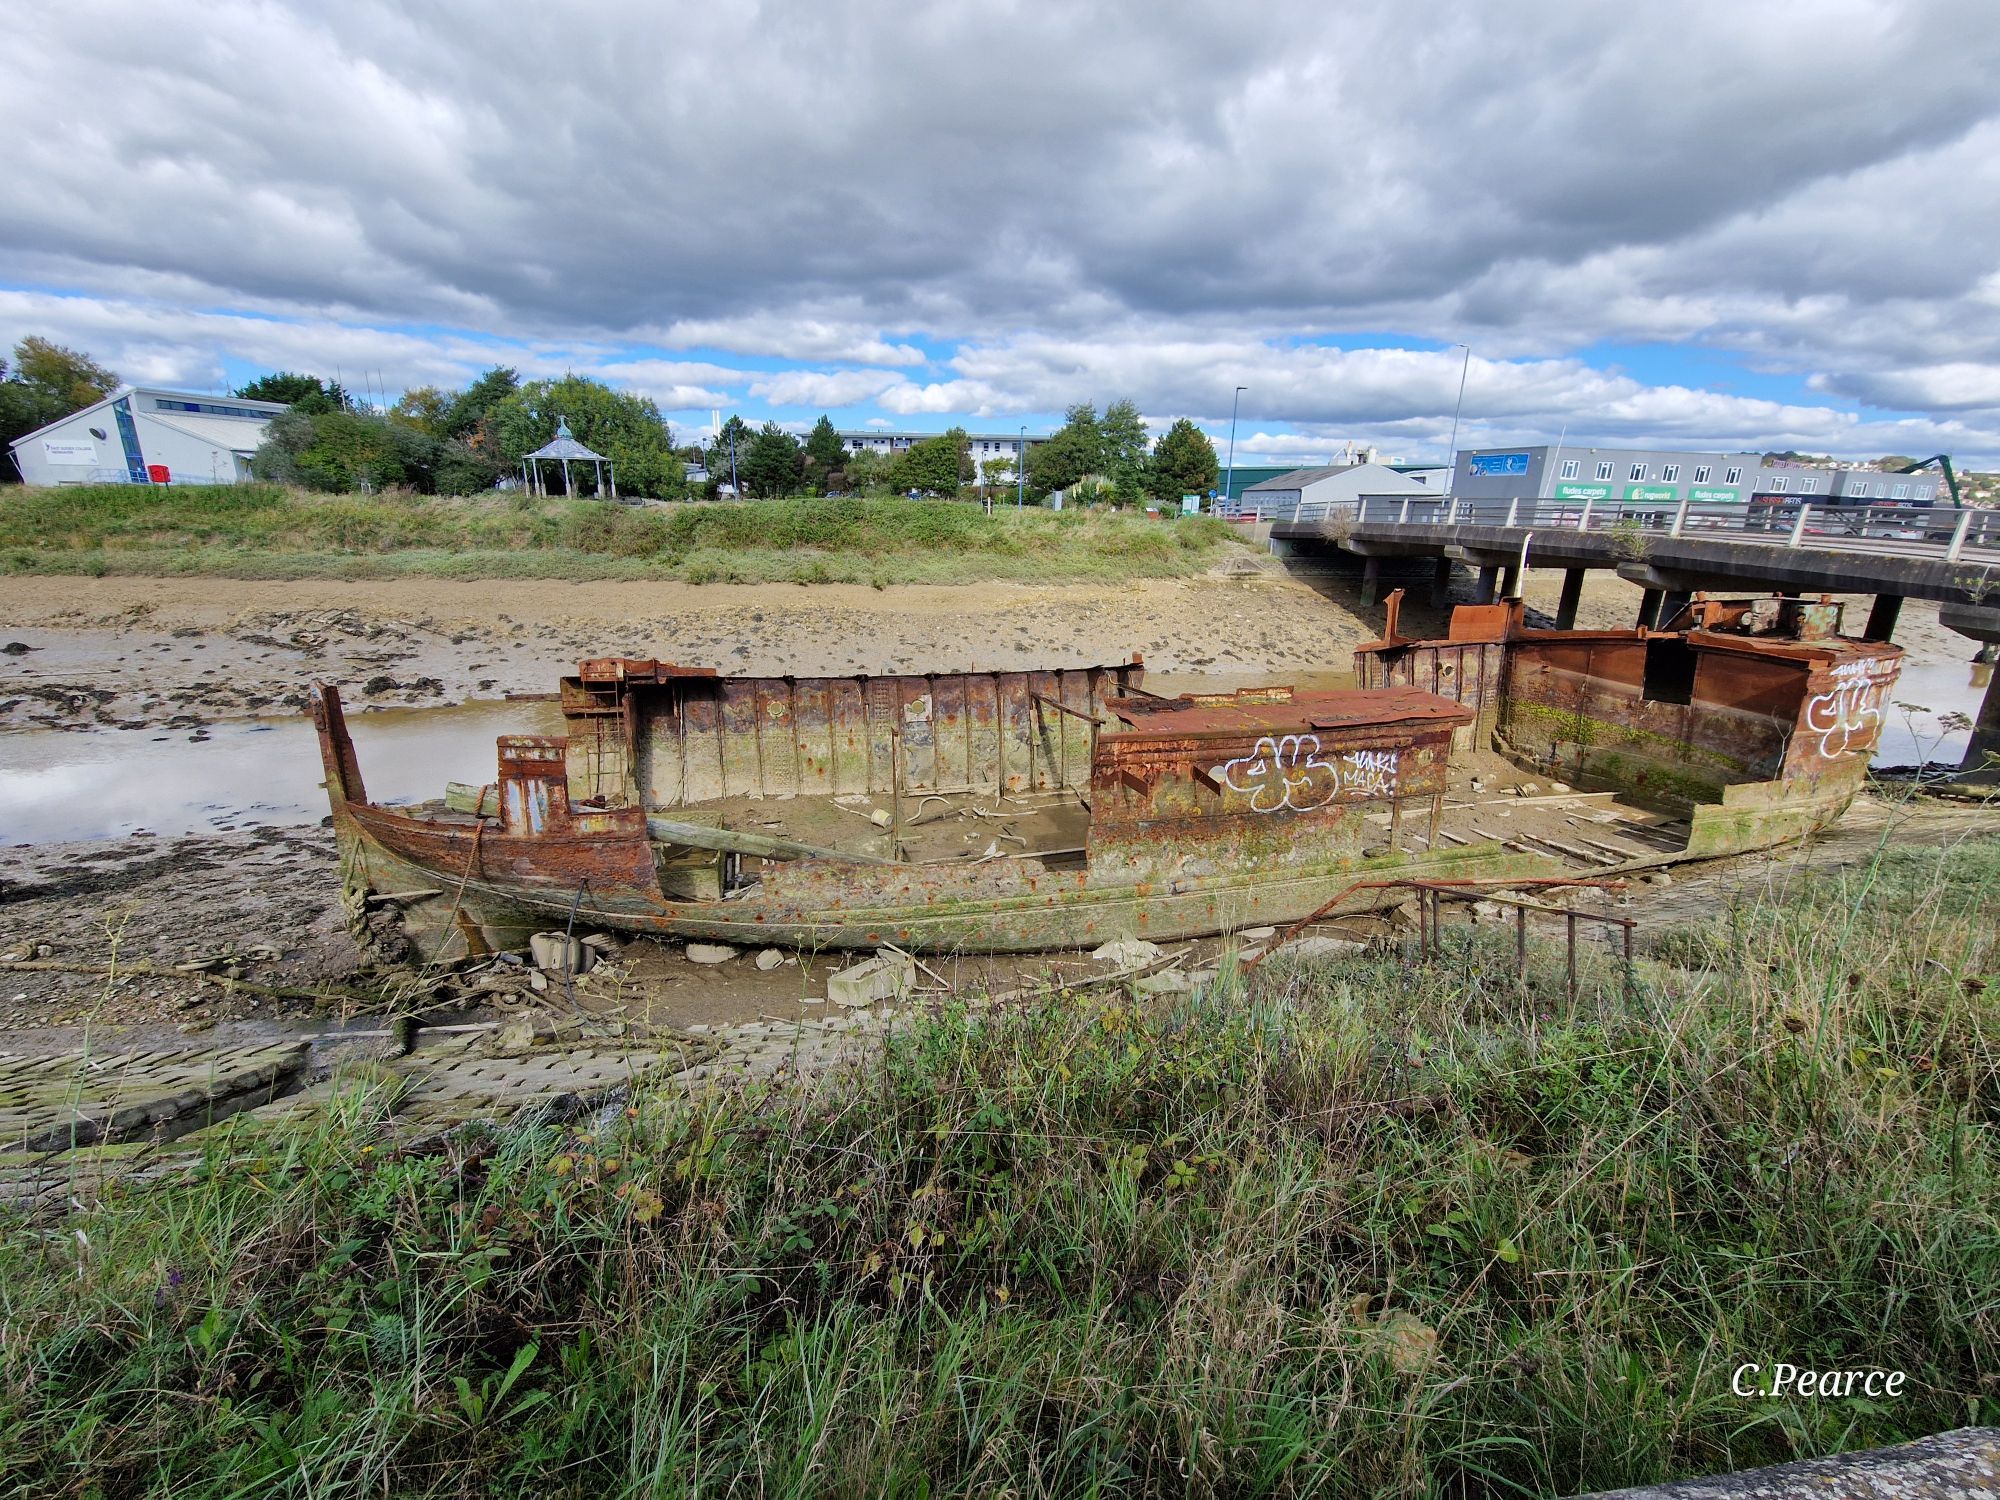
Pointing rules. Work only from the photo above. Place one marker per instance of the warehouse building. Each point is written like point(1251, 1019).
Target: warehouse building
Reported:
point(1549, 471)
point(1309, 492)
point(143, 435)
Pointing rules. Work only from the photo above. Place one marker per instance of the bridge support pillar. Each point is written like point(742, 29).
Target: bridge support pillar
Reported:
point(1649, 608)
point(1572, 599)
point(1441, 584)
point(1882, 617)
point(1371, 580)
point(1510, 582)
point(1489, 578)
point(1979, 764)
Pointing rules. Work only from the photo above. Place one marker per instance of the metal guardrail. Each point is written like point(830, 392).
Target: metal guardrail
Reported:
point(1950, 532)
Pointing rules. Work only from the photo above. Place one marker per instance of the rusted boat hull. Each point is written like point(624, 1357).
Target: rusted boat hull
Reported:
point(683, 805)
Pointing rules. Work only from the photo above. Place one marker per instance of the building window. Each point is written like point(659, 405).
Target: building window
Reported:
point(1638, 473)
point(1604, 471)
point(1671, 473)
point(1859, 489)
point(1701, 474)
point(1921, 492)
point(1569, 468)
point(1898, 491)
point(1734, 476)
point(1780, 484)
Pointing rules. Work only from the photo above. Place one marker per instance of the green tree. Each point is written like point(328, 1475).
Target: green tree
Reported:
point(287, 386)
point(426, 408)
point(68, 378)
point(625, 428)
point(472, 410)
point(1122, 435)
point(339, 450)
point(1073, 450)
point(726, 451)
point(939, 464)
point(47, 383)
point(774, 466)
point(826, 455)
point(1182, 464)
point(868, 469)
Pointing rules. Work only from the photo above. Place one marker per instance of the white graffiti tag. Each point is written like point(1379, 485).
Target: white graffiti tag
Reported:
point(1848, 715)
point(1287, 772)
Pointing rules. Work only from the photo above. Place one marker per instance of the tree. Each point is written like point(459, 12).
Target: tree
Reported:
point(287, 386)
point(66, 377)
point(868, 469)
point(625, 428)
point(1072, 451)
point(426, 408)
point(774, 465)
point(1894, 463)
point(472, 410)
point(1182, 464)
point(826, 454)
point(725, 453)
point(48, 382)
point(938, 464)
point(1122, 436)
point(996, 471)
point(340, 450)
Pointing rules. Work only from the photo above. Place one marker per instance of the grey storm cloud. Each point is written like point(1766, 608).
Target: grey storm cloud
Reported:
point(1814, 185)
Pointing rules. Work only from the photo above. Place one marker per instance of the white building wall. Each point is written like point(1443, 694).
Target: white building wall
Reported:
point(67, 452)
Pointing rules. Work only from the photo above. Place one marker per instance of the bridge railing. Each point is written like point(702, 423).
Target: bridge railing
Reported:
point(1793, 524)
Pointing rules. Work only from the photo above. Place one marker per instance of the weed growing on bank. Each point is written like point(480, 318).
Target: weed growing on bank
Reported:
point(265, 531)
point(1352, 1229)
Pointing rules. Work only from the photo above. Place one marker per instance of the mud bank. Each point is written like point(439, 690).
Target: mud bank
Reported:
point(179, 654)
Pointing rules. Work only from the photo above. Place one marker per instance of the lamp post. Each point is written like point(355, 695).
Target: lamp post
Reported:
point(1021, 470)
point(735, 488)
point(1451, 477)
point(1229, 474)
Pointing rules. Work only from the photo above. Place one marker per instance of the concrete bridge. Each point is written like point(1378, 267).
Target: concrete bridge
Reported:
point(1672, 551)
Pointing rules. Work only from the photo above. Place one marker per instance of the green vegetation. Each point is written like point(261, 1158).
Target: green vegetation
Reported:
point(1347, 1230)
point(265, 531)
point(47, 382)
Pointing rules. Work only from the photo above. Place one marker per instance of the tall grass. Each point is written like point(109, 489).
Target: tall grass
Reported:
point(1349, 1230)
point(266, 531)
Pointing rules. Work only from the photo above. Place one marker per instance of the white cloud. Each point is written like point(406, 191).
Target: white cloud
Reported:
point(1813, 188)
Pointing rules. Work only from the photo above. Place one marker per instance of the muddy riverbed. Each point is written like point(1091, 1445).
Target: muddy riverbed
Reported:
point(159, 799)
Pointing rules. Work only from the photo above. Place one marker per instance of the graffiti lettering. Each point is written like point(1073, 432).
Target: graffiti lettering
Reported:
point(1848, 715)
point(1288, 772)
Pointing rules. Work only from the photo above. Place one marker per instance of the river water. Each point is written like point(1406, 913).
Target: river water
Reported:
point(100, 784)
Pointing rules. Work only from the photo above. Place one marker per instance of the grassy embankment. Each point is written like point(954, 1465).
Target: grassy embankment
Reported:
point(1362, 1230)
point(264, 531)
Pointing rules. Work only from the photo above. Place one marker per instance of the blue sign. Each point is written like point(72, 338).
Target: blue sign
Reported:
point(1500, 463)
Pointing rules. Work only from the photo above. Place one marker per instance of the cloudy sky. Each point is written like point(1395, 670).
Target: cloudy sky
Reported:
point(1720, 223)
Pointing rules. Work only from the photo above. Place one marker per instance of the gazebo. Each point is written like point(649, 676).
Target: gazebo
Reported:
point(566, 450)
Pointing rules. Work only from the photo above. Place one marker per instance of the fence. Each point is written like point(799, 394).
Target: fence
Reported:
point(1790, 524)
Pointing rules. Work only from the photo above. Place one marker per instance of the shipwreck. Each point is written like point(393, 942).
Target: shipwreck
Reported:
point(992, 811)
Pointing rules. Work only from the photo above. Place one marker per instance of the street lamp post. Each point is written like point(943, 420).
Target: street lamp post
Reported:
point(1229, 474)
point(1021, 470)
point(1451, 477)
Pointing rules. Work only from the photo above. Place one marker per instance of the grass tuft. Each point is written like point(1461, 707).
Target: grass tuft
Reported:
point(1355, 1229)
point(266, 531)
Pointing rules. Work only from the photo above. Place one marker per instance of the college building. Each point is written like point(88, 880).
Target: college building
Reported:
point(1550, 471)
point(143, 435)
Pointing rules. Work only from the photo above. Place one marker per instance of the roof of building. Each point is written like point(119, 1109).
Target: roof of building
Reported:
point(269, 408)
point(232, 433)
point(1298, 479)
point(565, 445)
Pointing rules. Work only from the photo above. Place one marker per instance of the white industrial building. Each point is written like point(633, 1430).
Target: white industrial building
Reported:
point(1309, 492)
point(143, 435)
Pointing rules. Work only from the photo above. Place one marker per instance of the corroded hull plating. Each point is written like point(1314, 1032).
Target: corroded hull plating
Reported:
point(1204, 815)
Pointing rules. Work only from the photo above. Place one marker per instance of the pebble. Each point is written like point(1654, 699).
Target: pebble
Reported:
point(710, 953)
point(770, 959)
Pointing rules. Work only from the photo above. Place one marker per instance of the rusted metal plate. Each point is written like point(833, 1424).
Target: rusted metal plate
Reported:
point(1258, 713)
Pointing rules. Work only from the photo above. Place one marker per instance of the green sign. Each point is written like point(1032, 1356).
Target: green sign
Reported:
point(1651, 492)
point(1714, 494)
point(1583, 492)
